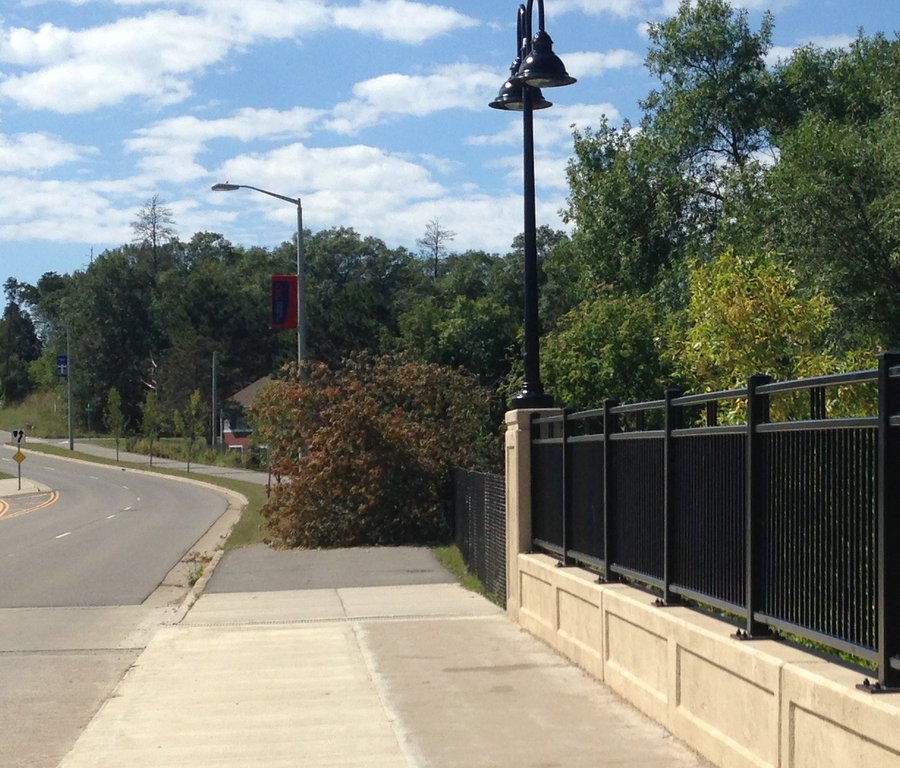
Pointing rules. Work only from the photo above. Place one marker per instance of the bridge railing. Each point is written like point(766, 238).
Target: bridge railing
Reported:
point(777, 503)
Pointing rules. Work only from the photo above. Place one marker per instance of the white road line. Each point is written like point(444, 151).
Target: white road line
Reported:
point(110, 517)
point(63, 535)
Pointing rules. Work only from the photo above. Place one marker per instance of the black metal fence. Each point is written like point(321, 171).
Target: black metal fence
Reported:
point(790, 523)
point(480, 527)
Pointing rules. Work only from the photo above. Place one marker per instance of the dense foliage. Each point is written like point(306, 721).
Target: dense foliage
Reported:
point(363, 453)
point(747, 220)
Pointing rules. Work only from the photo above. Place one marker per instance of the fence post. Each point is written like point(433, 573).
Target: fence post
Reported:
point(518, 501)
point(670, 492)
point(888, 521)
point(566, 488)
point(757, 413)
point(610, 427)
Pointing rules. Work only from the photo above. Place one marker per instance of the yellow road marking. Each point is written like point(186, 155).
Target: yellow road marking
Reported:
point(54, 495)
point(4, 508)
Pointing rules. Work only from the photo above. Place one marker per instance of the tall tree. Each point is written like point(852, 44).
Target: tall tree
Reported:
point(356, 289)
point(151, 421)
point(153, 230)
point(190, 423)
point(433, 244)
point(715, 92)
point(19, 346)
point(107, 310)
point(114, 418)
point(832, 199)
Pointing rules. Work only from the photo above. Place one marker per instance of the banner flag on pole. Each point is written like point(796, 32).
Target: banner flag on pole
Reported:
point(284, 302)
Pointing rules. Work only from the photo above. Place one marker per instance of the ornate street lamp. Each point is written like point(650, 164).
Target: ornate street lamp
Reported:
point(301, 263)
point(535, 67)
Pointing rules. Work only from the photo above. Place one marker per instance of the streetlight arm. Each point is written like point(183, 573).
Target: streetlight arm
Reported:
point(232, 187)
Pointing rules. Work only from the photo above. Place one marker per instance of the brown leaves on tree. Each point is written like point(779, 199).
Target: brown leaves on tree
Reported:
point(363, 453)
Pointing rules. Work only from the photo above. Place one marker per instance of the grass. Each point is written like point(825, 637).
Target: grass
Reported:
point(4, 476)
point(451, 558)
point(43, 414)
point(249, 528)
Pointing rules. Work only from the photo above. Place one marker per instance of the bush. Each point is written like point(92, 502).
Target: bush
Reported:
point(363, 453)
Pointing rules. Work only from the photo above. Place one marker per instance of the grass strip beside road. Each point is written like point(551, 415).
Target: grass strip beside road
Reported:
point(247, 531)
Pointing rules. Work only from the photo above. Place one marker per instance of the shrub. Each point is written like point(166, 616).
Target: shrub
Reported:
point(363, 453)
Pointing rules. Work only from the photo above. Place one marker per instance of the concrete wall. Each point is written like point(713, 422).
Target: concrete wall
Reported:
point(752, 703)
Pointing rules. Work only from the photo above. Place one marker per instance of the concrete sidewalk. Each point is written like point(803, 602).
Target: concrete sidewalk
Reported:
point(405, 674)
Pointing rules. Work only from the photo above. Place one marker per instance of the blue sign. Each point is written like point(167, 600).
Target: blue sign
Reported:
point(62, 366)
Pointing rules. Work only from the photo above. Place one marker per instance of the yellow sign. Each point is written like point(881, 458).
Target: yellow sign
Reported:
point(19, 457)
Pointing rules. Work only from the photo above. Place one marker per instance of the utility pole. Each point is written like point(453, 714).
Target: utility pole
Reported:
point(69, 393)
point(212, 420)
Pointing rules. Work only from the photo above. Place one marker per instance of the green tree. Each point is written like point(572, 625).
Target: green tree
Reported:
point(190, 423)
point(108, 312)
point(151, 421)
point(608, 346)
point(747, 314)
point(114, 417)
point(715, 92)
point(19, 347)
point(356, 289)
point(629, 205)
point(216, 301)
point(831, 200)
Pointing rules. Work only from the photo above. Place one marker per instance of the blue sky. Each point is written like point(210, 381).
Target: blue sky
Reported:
point(374, 112)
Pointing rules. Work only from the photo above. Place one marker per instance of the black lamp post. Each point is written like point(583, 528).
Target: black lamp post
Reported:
point(535, 67)
point(301, 260)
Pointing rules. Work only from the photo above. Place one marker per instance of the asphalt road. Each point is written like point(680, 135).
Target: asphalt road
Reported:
point(110, 537)
point(76, 572)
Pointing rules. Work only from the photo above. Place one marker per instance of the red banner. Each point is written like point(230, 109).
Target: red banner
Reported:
point(284, 302)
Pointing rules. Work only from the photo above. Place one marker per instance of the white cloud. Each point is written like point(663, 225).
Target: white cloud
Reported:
point(152, 56)
point(157, 56)
point(401, 20)
point(25, 152)
point(593, 63)
point(43, 210)
point(552, 127)
point(458, 86)
point(354, 185)
point(621, 8)
point(171, 147)
point(781, 53)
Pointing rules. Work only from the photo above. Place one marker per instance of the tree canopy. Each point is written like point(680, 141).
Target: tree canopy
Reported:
point(750, 208)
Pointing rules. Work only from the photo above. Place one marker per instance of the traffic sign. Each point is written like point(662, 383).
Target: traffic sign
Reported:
point(18, 457)
point(62, 366)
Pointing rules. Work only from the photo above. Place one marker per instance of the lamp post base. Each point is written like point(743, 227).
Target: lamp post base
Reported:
point(530, 398)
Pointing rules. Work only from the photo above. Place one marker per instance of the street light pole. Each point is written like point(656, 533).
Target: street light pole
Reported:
point(301, 261)
point(70, 414)
point(535, 67)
